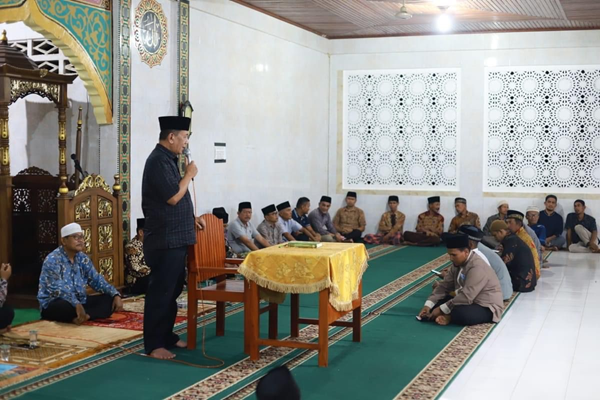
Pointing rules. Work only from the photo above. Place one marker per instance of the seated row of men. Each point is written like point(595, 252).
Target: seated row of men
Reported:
point(62, 293)
point(284, 223)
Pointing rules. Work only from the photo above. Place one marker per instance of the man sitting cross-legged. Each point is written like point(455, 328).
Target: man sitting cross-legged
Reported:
point(300, 215)
point(514, 221)
point(463, 216)
point(270, 228)
point(518, 258)
point(533, 216)
point(582, 234)
point(553, 222)
point(320, 220)
point(490, 256)
point(478, 293)
point(350, 220)
point(291, 228)
point(241, 233)
point(137, 272)
point(390, 226)
point(62, 289)
point(430, 226)
point(488, 238)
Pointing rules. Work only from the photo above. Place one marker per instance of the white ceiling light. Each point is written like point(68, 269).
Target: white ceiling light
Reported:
point(403, 14)
point(444, 23)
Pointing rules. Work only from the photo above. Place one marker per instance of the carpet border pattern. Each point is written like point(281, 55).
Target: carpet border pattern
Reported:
point(226, 378)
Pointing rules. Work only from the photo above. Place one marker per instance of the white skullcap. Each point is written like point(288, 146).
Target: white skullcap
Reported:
point(532, 208)
point(70, 229)
point(501, 203)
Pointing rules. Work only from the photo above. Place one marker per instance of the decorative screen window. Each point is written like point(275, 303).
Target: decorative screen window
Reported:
point(400, 129)
point(46, 55)
point(542, 129)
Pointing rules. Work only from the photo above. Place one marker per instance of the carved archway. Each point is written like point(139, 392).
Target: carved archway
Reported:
point(98, 86)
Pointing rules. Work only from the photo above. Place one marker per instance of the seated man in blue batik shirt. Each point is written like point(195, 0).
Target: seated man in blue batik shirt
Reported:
point(582, 233)
point(533, 216)
point(300, 215)
point(65, 273)
point(554, 224)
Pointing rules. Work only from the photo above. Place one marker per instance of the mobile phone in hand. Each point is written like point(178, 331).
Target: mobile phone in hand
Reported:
point(437, 273)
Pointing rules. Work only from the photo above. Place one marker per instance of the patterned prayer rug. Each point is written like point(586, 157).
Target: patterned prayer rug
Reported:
point(136, 304)
point(133, 321)
point(46, 354)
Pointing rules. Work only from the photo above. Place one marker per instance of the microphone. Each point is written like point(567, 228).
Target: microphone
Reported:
point(188, 155)
point(77, 165)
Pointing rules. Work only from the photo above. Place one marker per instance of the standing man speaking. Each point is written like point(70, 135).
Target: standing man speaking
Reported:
point(169, 230)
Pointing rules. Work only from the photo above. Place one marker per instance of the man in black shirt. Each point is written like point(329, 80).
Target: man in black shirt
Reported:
point(169, 230)
point(582, 234)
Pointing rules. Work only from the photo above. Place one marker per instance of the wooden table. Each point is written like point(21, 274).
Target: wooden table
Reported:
point(328, 316)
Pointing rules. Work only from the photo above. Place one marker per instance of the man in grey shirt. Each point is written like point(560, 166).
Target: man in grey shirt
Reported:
point(320, 220)
point(493, 259)
point(241, 234)
point(270, 229)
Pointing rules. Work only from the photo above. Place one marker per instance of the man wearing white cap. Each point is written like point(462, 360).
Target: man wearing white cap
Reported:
point(533, 215)
point(65, 273)
point(489, 239)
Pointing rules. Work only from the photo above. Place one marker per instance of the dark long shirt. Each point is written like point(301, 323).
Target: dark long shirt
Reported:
point(167, 226)
point(554, 223)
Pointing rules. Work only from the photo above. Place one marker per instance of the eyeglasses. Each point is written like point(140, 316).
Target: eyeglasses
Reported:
point(77, 237)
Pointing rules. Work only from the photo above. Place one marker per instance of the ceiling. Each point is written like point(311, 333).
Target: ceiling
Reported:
point(338, 19)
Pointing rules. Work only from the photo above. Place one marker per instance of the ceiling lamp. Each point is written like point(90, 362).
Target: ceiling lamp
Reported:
point(403, 14)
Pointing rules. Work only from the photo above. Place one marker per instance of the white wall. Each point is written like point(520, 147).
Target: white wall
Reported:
point(471, 53)
point(260, 86)
point(153, 94)
point(33, 127)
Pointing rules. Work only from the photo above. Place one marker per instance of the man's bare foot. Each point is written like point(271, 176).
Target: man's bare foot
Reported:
point(407, 243)
point(443, 320)
point(181, 344)
point(162, 354)
point(79, 321)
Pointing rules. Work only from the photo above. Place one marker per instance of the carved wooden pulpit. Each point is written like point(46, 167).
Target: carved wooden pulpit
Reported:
point(20, 77)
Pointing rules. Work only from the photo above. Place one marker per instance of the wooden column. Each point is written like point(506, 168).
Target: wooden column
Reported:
point(5, 180)
point(62, 138)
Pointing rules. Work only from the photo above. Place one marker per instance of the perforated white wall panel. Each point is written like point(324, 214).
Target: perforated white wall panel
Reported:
point(542, 129)
point(400, 129)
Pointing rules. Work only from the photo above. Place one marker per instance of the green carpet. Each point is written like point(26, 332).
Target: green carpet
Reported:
point(395, 347)
point(23, 315)
point(140, 377)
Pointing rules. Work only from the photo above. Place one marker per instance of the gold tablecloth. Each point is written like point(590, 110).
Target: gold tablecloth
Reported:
point(337, 266)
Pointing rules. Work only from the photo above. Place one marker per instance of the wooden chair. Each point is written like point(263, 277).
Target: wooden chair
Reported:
point(207, 260)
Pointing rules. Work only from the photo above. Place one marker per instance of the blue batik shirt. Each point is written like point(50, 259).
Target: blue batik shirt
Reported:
point(62, 279)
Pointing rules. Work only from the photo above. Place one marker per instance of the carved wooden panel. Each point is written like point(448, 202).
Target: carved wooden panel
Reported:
point(105, 237)
point(87, 237)
point(21, 200)
point(83, 210)
point(106, 268)
point(105, 209)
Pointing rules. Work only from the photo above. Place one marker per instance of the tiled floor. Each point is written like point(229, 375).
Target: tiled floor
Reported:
point(547, 346)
